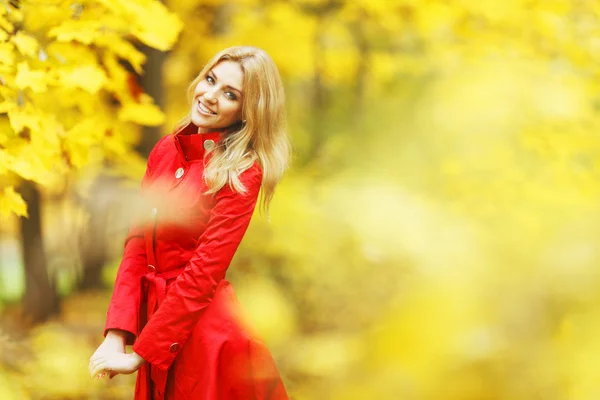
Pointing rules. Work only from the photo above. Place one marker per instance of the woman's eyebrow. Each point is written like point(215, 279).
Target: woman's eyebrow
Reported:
point(229, 86)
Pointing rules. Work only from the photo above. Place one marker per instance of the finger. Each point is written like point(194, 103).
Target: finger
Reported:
point(96, 356)
point(98, 368)
point(102, 373)
point(96, 376)
point(94, 364)
point(93, 357)
point(99, 351)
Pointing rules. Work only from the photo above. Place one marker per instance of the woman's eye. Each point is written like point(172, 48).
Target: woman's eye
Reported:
point(210, 79)
point(230, 96)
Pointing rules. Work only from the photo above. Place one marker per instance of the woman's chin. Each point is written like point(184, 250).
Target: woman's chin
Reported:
point(199, 121)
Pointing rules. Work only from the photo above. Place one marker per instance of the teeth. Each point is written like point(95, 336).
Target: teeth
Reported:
point(203, 108)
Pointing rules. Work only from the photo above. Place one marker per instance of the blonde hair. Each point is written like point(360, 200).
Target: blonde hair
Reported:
point(262, 137)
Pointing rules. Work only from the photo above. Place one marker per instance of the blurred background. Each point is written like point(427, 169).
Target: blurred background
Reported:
point(437, 236)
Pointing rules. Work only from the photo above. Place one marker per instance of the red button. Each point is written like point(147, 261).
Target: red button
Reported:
point(151, 268)
point(174, 348)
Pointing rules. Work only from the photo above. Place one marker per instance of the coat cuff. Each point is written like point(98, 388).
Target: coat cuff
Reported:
point(123, 319)
point(161, 356)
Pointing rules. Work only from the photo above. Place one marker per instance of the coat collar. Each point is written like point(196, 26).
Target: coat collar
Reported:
point(192, 146)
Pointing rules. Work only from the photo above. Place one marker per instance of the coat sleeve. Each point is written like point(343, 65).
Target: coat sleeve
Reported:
point(123, 309)
point(170, 326)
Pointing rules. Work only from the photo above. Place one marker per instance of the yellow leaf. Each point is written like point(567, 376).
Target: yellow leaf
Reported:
point(72, 54)
point(80, 31)
point(26, 44)
point(162, 37)
point(7, 55)
point(4, 162)
point(81, 138)
point(6, 106)
point(26, 78)
point(123, 49)
point(12, 202)
point(88, 77)
point(87, 131)
point(162, 33)
point(145, 113)
point(22, 117)
point(30, 164)
point(6, 25)
point(78, 153)
point(117, 82)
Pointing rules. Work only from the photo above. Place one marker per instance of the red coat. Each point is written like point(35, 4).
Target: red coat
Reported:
point(170, 292)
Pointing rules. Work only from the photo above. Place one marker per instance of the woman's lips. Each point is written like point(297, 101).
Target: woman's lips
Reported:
point(204, 110)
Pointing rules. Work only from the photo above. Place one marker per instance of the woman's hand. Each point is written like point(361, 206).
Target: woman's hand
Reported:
point(113, 343)
point(114, 363)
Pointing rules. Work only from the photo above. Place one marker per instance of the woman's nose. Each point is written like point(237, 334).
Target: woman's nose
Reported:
point(209, 95)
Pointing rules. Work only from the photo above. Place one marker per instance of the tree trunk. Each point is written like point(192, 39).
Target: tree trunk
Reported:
point(361, 43)
point(94, 243)
point(152, 83)
point(318, 95)
point(40, 299)
point(321, 12)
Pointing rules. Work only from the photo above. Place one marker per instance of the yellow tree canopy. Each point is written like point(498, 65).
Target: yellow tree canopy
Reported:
point(67, 98)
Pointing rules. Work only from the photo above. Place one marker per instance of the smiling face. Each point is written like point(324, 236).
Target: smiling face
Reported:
point(218, 97)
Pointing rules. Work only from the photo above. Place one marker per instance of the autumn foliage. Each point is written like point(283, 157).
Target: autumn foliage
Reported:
point(66, 93)
point(437, 235)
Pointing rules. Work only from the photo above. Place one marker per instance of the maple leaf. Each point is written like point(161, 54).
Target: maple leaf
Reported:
point(26, 78)
point(7, 55)
point(26, 44)
point(142, 113)
point(12, 202)
point(88, 77)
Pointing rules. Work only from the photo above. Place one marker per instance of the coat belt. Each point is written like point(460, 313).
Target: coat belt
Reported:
point(154, 285)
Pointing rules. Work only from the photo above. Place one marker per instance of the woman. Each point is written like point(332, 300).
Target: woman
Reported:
point(171, 301)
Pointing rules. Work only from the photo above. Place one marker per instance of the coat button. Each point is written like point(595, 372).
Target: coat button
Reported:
point(179, 173)
point(209, 144)
point(153, 213)
point(151, 268)
point(174, 348)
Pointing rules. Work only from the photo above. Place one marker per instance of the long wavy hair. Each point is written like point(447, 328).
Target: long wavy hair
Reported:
point(263, 134)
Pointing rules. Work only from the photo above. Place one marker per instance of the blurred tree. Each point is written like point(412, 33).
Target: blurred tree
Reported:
point(321, 12)
point(40, 299)
point(94, 241)
point(93, 249)
point(67, 101)
point(151, 82)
